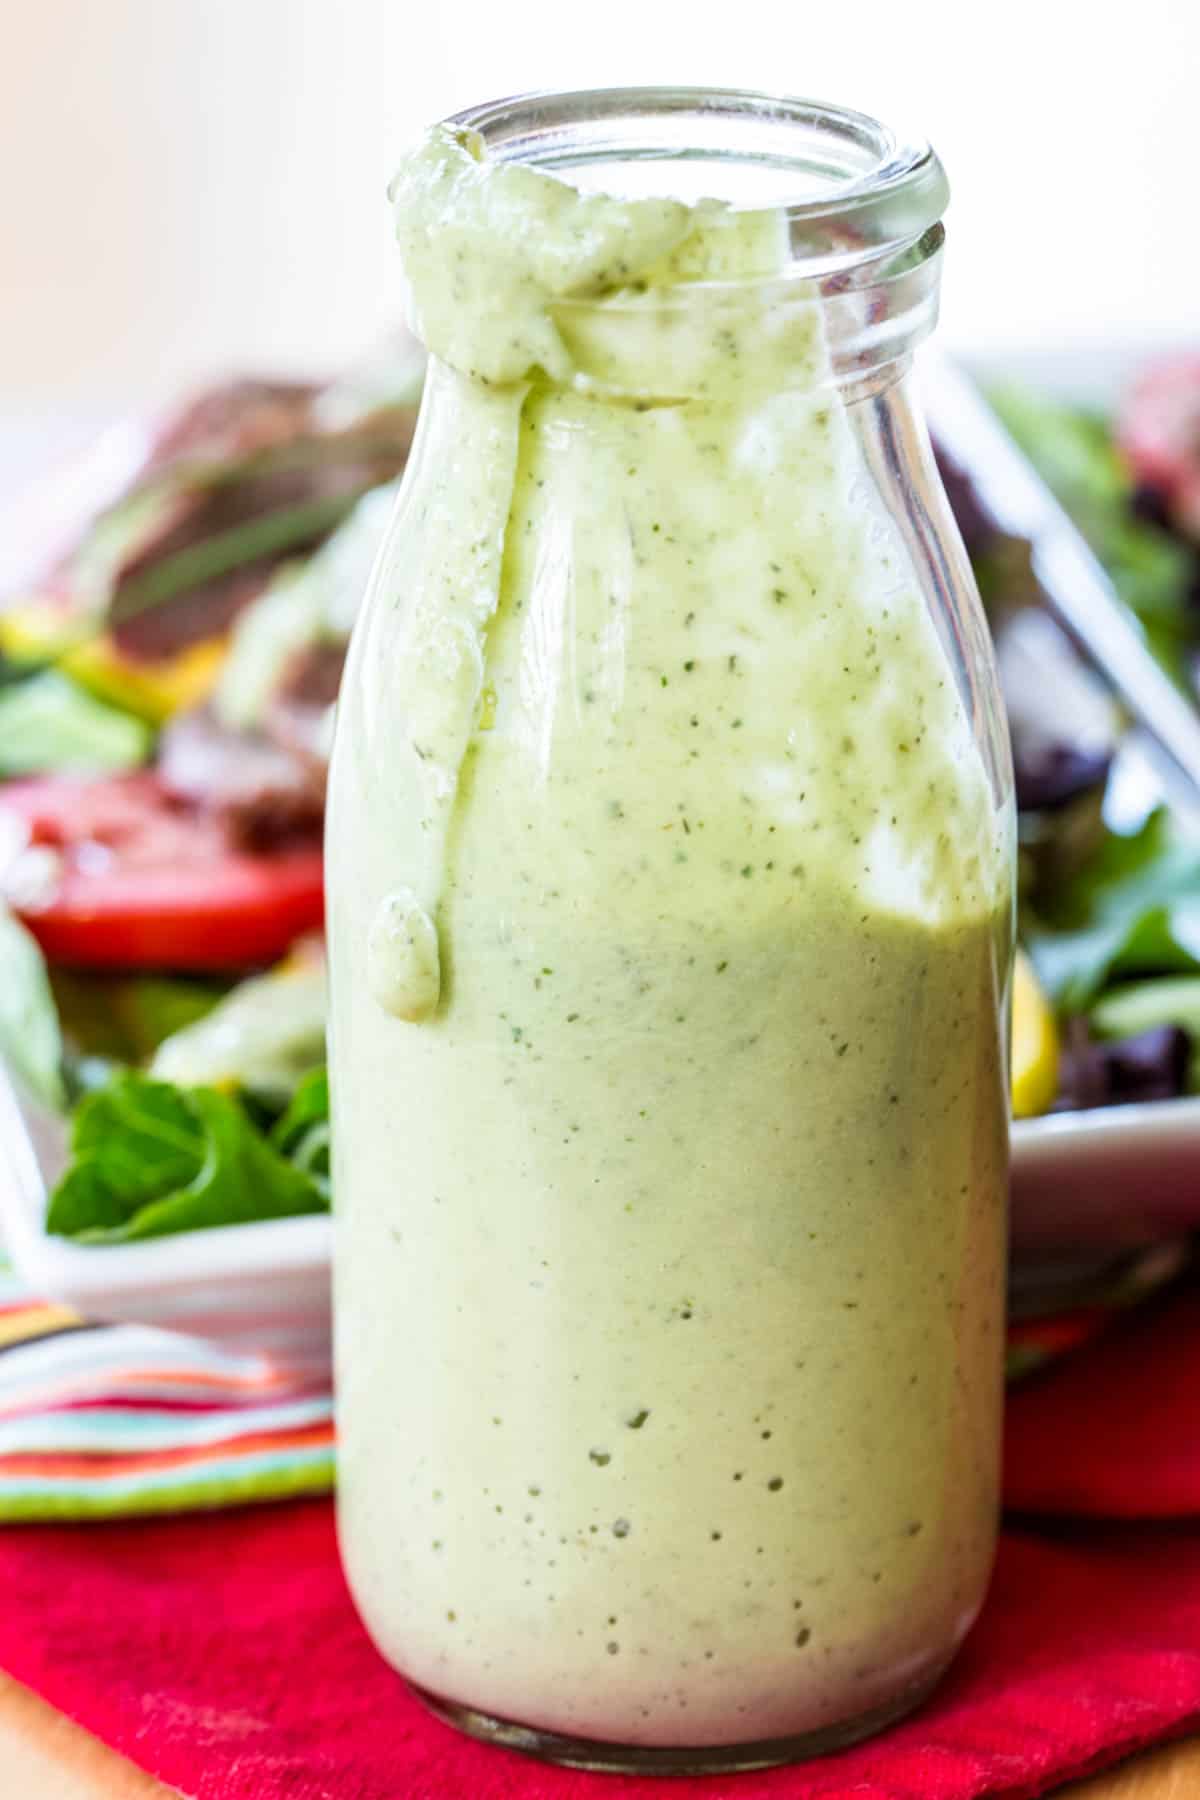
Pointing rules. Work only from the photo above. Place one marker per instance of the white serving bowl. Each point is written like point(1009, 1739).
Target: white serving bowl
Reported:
point(260, 1288)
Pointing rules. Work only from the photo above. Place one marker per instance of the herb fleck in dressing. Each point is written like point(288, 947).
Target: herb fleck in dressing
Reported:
point(668, 902)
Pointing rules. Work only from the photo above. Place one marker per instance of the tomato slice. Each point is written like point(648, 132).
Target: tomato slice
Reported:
point(137, 881)
point(1159, 431)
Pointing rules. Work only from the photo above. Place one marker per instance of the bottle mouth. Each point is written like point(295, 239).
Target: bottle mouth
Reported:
point(850, 187)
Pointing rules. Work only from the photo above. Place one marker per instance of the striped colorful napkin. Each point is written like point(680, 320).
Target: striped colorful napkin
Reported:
point(109, 1421)
point(100, 1421)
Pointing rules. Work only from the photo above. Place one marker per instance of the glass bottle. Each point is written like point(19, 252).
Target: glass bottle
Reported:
point(670, 906)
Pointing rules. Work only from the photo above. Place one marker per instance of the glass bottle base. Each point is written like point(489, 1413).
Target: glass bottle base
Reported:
point(704, 1759)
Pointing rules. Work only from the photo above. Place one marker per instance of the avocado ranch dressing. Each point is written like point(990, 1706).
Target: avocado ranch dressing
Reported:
point(668, 907)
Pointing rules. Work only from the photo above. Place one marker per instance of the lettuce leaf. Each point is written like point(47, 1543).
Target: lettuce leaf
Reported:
point(1133, 909)
point(309, 1107)
point(303, 1132)
point(1074, 452)
point(30, 1038)
point(47, 724)
point(150, 1158)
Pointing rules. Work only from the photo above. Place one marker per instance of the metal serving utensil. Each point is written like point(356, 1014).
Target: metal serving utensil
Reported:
point(1077, 590)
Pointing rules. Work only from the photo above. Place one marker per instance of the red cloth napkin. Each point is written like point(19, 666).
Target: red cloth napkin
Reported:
point(222, 1654)
point(1114, 1430)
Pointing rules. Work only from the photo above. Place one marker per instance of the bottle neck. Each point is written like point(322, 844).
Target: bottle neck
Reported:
point(516, 275)
point(854, 332)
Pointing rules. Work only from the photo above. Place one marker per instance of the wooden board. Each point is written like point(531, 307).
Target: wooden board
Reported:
point(1172, 1773)
point(43, 1756)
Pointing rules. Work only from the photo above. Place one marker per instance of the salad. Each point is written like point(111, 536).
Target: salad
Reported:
point(166, 701)
point(1107, 988)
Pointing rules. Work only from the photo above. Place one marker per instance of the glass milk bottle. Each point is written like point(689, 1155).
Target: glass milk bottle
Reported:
point(670, 867)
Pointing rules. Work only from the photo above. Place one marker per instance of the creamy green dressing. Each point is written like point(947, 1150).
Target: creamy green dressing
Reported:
point(668, 916)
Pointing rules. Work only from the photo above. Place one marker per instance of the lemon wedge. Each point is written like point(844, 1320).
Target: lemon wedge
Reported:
point(151, 689)
point(1034, 1043)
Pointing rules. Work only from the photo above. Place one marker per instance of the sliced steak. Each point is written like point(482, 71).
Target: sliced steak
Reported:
point(297, 716)
point(235, 419)
point(240, 479)
point(263, 793)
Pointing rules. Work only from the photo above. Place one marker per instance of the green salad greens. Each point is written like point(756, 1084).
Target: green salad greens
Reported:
point(1132, 909)
point(30, 1036)
point(197, 1100)
point(149, 1158)
point(169, 687)
point(1110, 914)
point(50, 724)
point(243, 1134)
point(1073, 450)
point(302, 1134)
point(229, 1121)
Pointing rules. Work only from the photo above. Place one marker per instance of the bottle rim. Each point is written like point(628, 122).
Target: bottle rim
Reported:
point(850, 187)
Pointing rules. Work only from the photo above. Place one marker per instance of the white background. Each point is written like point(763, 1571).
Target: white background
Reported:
point(188, 186)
